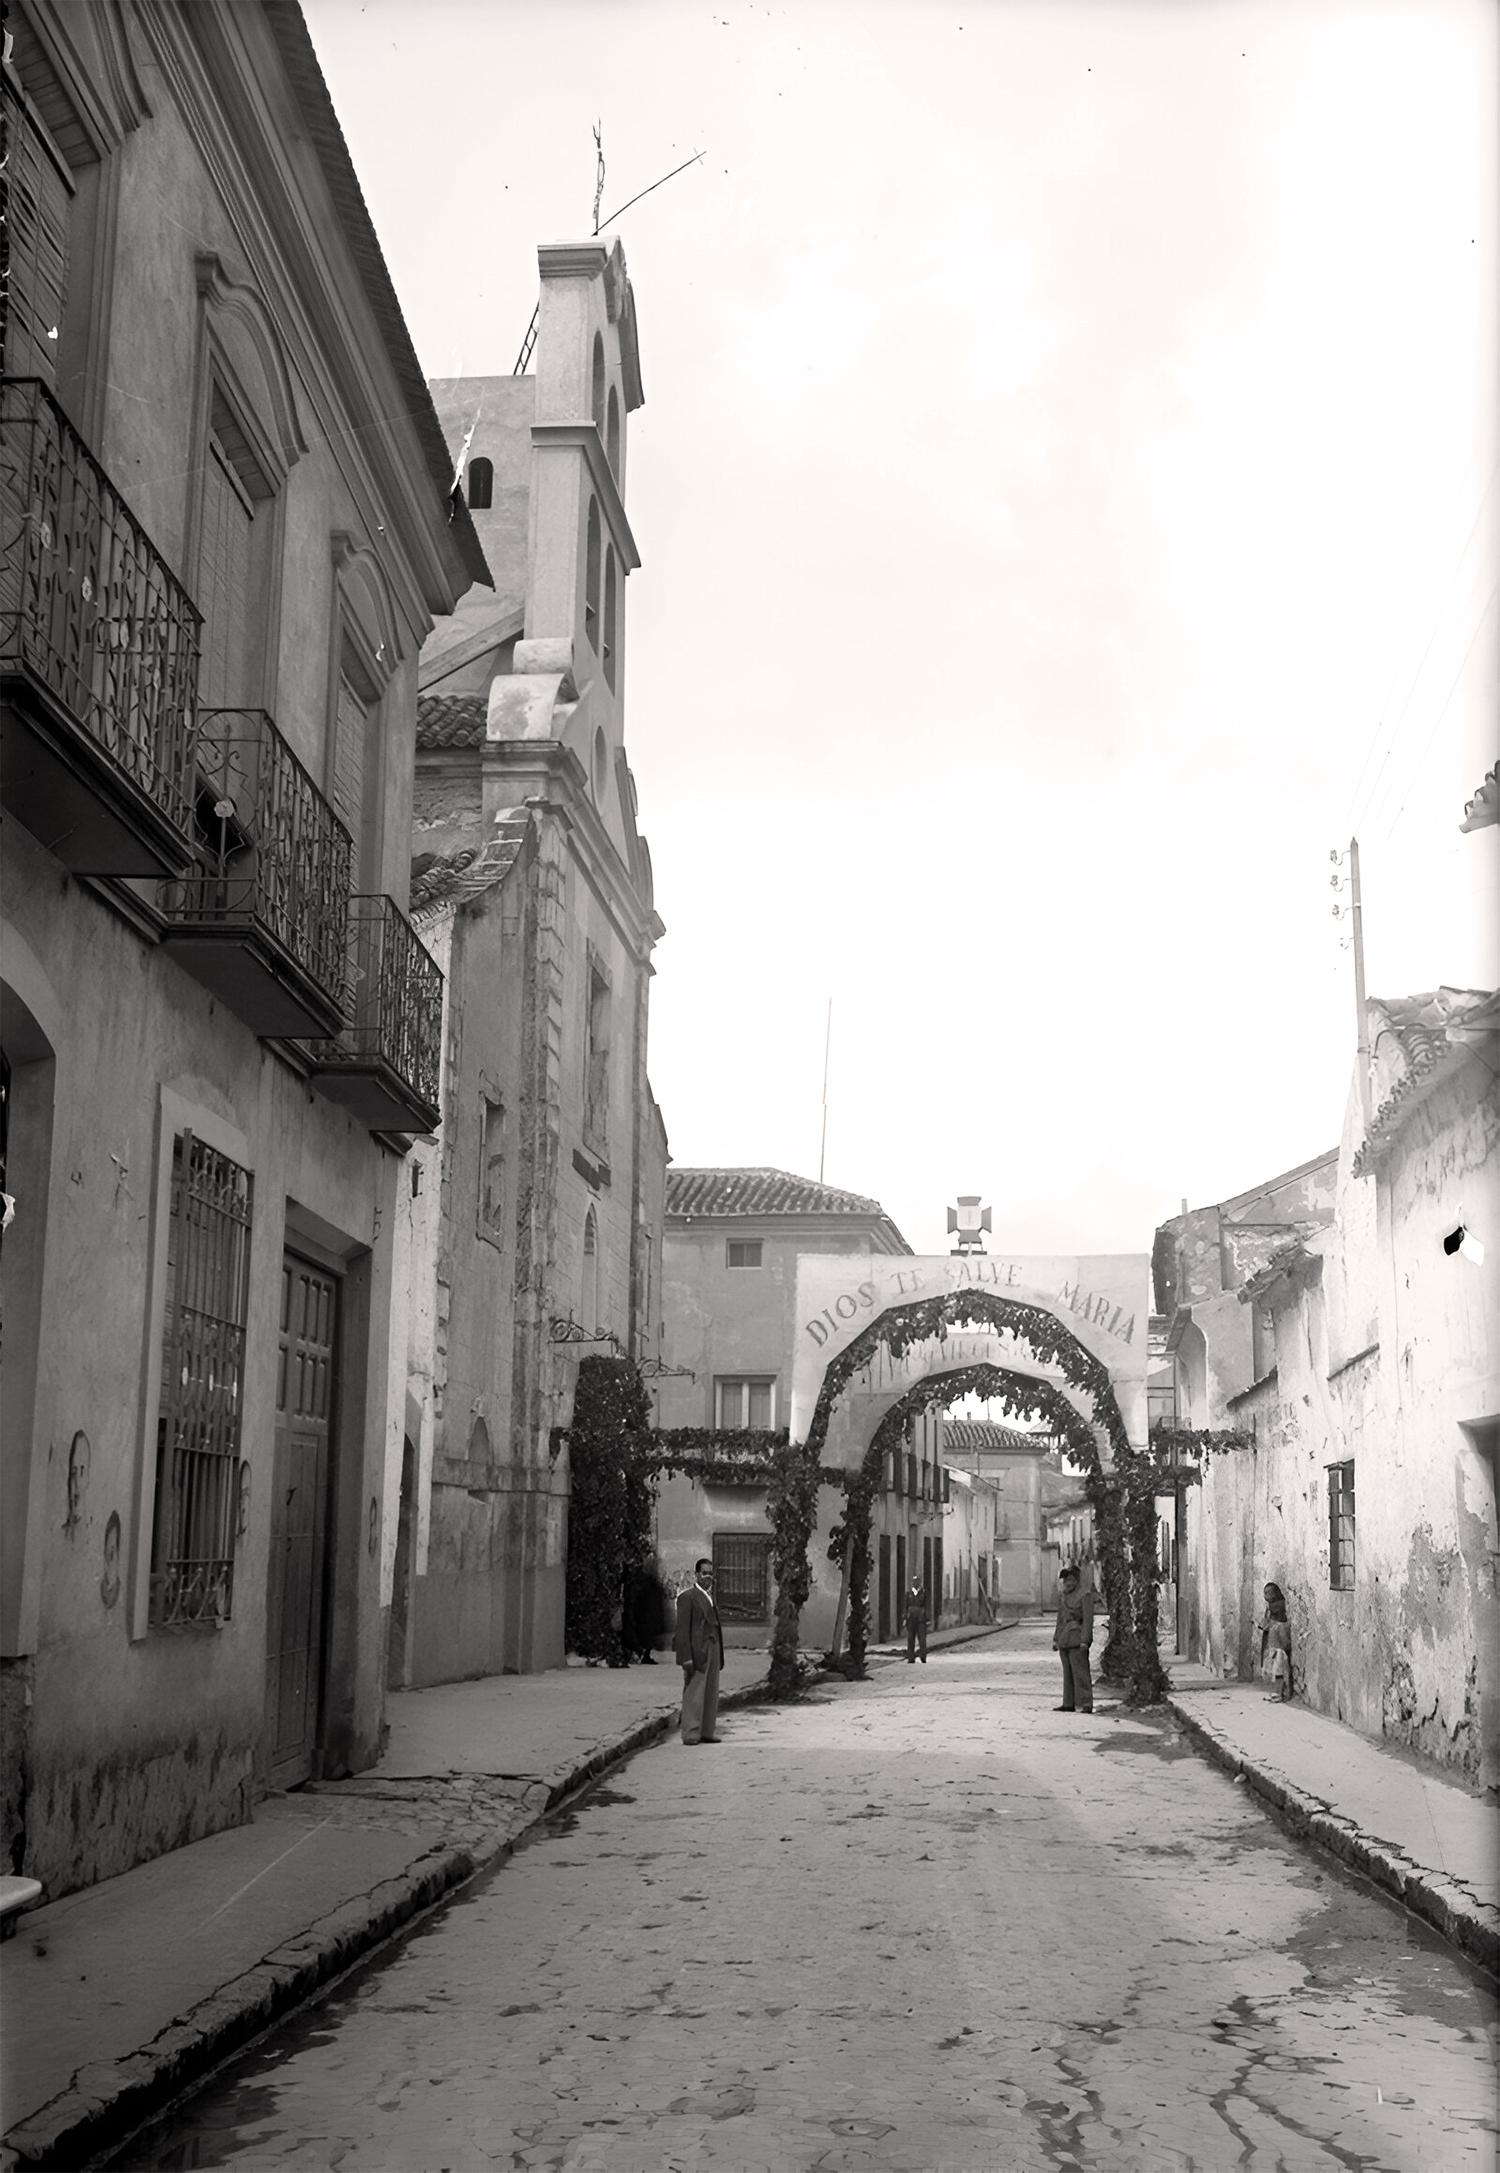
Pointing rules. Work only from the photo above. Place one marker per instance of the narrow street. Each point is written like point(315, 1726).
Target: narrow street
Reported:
point(924, 1921)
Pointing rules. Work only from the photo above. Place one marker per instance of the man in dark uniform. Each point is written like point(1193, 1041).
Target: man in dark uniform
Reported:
point(1071, 1641)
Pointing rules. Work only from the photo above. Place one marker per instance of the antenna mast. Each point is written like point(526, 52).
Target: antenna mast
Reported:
point(827, 1044)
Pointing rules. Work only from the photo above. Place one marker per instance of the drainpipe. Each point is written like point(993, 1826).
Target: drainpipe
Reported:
point(1362, 1040)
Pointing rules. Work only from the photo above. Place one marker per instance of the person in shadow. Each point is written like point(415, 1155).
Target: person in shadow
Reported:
point(916, 1621)
point(645, 1614)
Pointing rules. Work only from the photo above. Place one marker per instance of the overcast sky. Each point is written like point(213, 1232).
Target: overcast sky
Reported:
point(1067, 499)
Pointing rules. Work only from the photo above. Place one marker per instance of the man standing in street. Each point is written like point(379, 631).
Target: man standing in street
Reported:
point(916, 1621)
point(699, 1646)
point(1071, 1641)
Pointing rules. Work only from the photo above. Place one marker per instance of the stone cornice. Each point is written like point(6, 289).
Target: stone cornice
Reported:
point(566, 797)
point(314, 256)
point(585, 436)
point(571, 259)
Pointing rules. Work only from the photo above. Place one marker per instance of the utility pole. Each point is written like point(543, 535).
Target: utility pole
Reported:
point(1362, 1039)
point(827, 1044)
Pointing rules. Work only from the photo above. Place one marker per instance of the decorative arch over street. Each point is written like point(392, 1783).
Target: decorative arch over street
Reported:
point(1072, 1333)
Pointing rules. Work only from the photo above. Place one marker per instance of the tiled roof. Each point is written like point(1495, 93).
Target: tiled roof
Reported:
point(971, 1436)
point(760, 1192)
point(448, 879)
point(451, 720)
point(1432, 1032)
point(1484, 808)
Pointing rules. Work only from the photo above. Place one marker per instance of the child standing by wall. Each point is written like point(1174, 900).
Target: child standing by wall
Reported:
point(1276, 1646)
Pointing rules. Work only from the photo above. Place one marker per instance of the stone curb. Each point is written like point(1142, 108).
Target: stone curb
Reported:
point(105, 2104)
point(1471, 1925)
point(964, 1634)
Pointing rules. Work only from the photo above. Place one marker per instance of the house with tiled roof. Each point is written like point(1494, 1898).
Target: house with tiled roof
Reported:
point(1361, 1385)
point(535, 1224)
point(732, 1242)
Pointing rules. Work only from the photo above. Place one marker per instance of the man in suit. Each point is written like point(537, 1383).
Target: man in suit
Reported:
point(1071, 1641)
point(699, 1646)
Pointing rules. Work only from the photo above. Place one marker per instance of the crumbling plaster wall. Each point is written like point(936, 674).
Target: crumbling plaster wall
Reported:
point(1385, 1356)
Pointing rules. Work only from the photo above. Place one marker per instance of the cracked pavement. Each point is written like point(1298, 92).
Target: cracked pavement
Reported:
point(918, 1922)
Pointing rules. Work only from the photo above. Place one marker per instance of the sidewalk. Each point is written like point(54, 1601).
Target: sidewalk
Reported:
point(1425, 1839)
point(962, 1633)
point(121, 1996)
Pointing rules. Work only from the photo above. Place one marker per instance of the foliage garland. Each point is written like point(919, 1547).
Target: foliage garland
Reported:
point(1123, 1500)
point(1169, 1444)
point(611, 1494)
point(860, 1489)
point(714, 1455)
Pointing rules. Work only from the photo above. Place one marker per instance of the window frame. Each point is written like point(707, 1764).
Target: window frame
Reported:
point(758, 1546)
point(489, 1204)
point(1342, 1559)
point(176, 1114)
point(732, 1245)
point(746, 1383)
point(205, 1504)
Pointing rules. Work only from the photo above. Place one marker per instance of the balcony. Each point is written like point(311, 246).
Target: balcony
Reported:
point(384, 1066)
point(98, 657)
point(264, 922)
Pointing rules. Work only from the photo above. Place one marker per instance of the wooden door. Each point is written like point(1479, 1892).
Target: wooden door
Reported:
point(300, 1524)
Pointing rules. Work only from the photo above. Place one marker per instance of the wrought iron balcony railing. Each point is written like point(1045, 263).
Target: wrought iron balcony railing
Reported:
point(385, 1065)
point(265, 921)
point(98, 653)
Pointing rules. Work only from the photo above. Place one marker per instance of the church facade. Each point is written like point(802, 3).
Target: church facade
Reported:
point(536, 1230)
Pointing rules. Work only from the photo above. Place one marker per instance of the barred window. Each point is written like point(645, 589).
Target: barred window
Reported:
point(742, 1576)
point(202, 1380)
point(1341, 1526)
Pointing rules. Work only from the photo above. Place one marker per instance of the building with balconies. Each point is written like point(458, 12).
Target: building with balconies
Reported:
point(227, 525)
point(538, 1226)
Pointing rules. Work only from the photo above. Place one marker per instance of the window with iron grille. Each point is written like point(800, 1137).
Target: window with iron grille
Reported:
point(742, 1576)
point(202, 1385)
point(745, 1402)
point(1341, 1526)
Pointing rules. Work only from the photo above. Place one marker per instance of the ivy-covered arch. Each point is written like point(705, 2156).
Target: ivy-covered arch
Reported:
point(1019, 1395)
point(1122, 1494)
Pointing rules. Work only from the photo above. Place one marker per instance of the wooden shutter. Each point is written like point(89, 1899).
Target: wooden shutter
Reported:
point(223, 581)
point(40, 190)
point(350, 742)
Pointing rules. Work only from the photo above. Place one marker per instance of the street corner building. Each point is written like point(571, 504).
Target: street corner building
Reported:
point(537, 1222)
point(1340, 1328)
point(228, 527)
point(734, 1238)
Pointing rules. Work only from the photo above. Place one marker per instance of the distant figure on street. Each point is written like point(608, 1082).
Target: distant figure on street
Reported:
point(1276, 1646)
point(1071, 1641)
point(699, 1646)
point(645, 1614)
point(916, 1621)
